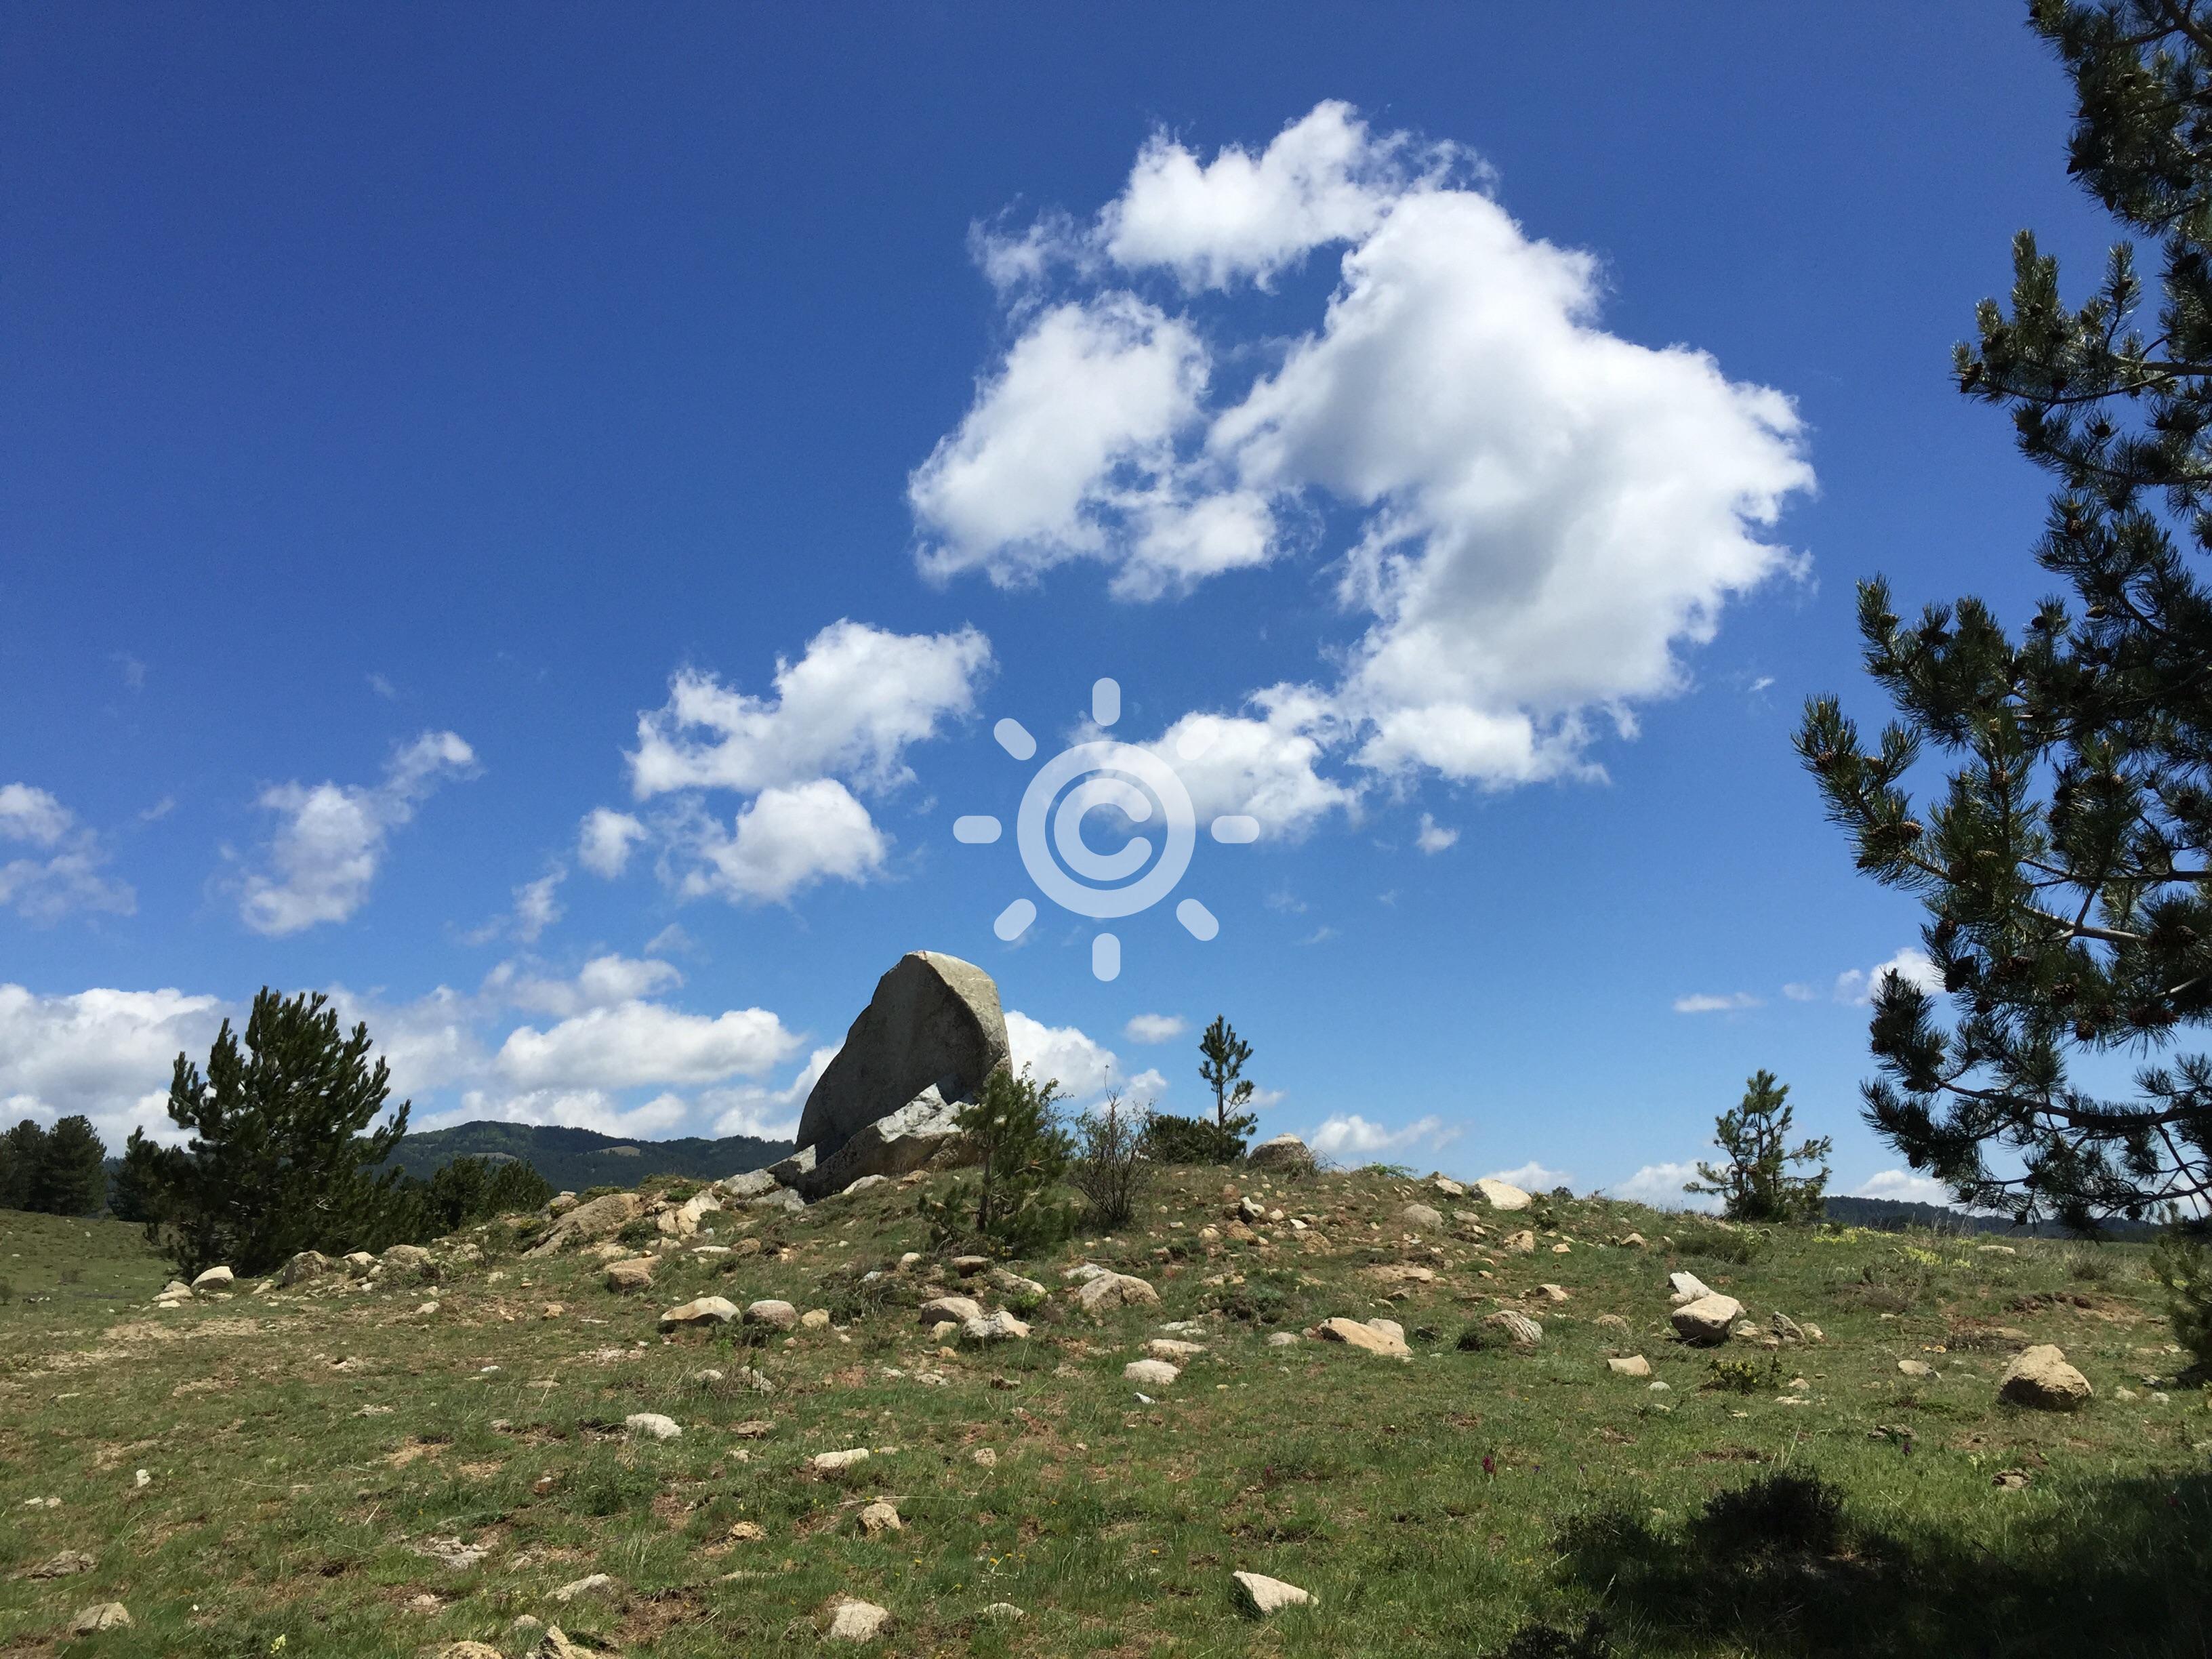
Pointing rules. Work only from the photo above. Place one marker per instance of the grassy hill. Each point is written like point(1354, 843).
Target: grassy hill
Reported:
point(574, 1160)
point(370, 1472)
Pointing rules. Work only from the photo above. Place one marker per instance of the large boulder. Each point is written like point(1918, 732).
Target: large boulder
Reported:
point(1285, 1152)
point(597, 1219)
point(934, 1020)
point(2039, 1378)
point(893, 1145)
point(1708, 1320)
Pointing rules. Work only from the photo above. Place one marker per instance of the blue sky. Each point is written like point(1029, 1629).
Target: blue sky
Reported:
point(526, 519)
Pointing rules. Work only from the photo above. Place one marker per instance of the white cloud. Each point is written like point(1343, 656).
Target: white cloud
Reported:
point(63, 874)
point(1084, 1065)
point(327, 850)
point(1704, 1002)
point(1156, 1028)
point(430, 1043)
point(32, 814)
point(1349, 1134)
point(1434, 837)
point(769, 1113)
point(1906, 1187)
point(603, 843)
point(848, 709)
point(1800, 992)
point(602, 982)
point(1660, 1186)
point(107, 1055)
point(1858, 985)
point(1262, 765)
point(786, 839)
point(1547, 514)
point(1533, 1177)
point(575, 1109)
point(630, 1044)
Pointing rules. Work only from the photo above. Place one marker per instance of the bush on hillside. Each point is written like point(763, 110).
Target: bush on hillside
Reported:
point(1172, 1139)
point(1111, 1166)
point(1010, 1208)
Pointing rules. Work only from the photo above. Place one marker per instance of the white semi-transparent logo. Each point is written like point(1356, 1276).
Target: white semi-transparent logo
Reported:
point(1086, 779)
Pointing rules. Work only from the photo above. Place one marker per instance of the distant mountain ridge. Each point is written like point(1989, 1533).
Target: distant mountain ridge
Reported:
point(573, 1159)
point(1889, 1214)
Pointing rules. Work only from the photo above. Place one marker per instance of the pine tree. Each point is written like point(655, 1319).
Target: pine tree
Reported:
point(21, 1150)
point(70, 1177)
point(133, 1193)
point(2063, 866)
point(1221, 1067)
point(1011, 1209)
point(1755, 1184)
point(278, 1162)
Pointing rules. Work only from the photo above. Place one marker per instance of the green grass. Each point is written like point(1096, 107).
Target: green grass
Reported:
point(1461, 1502)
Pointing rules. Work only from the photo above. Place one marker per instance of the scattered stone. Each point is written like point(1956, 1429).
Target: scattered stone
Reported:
point(359, 1264)
point(451, 1553)
point(814, 1319)
point(704, 1311)
point(1446, 1185)
point(753, 1183)
point(851, 1621)
point(470, 1650)
point(969, 1266)
point(1521, 1243)
point(753, 1428)
point(2039, 1378)
point(1007, 1282)
point(1367, 1338)
point(64, 1565)
point(1402, 1273)
point(555, 1644)
point(1004, 1610)
point(1116, 1291)
point(1150, 1373)
point(1283, 1339)
point(409, 1259)
point(880, 1517)
point(653, 1424)
point(1552, 1293)
point(308, 1264)
point(1916, 1368)
point(1612, 1323)
point(2010, 1479)
point(747, 1532)
point(1995, 1249)
point(777, 1315)
point(597, 1583)
point(607, 1214)
point(101, 1615)
point(1633, 1241)
point(1422, 1215)
point(984, 1458)
point(1708, 1320)
point(1001, 1327)
point(1173, 1350)
point(1502, 1194)
point(634, 1275)
point(215, 1279)
point(1785, 1329)
point(1264, 1595)
point(1285, 1152)
point(957, 1309)
point(834, 1462)
point(1520, 1330)
point(784, 1200)
point(1687, 1288)
point(1634, 1364)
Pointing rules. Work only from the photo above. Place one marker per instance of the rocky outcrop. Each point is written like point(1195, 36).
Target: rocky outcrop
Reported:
point(894, 1144)
point(1502, 1194)
point(1284, 1152)
point(934, 1022)
point(597, 1219)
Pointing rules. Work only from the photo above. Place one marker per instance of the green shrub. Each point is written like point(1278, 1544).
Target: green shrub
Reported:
point(1010, 1208)
point(1740, 1245)
point(1745, 1376)
point(2182, 1262)
point(1172, 1139)
point(1111, 1166)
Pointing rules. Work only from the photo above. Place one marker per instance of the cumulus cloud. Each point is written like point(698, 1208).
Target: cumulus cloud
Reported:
point(602, 982)
point(603, 843)
point(1085, 1066)
point(1857, 986)
point(752, 1108)
point(63, 873)
point(1704, 1002)
point(1545, 515)
point(1660, 1186)
point(785, 840)
point(1434, 837)
point(848, 709)
point(1349, 1134)
point(1156, 1028)
point(330, 838)
point(1905, 1186)
point(1262, 764)
point(637, 1043)
point(104, 1054)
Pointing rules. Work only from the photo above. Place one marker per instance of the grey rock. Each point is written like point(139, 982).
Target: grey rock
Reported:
point(1422, 1215)
point(896, 1144)
point(1708, 1320)
point(788, 1170)
point(652, 1425)
point(1264, 1595)
point(1502, 1194)
point(852, 1620)
point(1283, 1152)
point(777, 1315)
point(753, 1183)
point(2039, 1377)
point(215, 1279)
point(933, 1018)
point(308, 1264)
point(602, 1216)
point(101, 1615)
